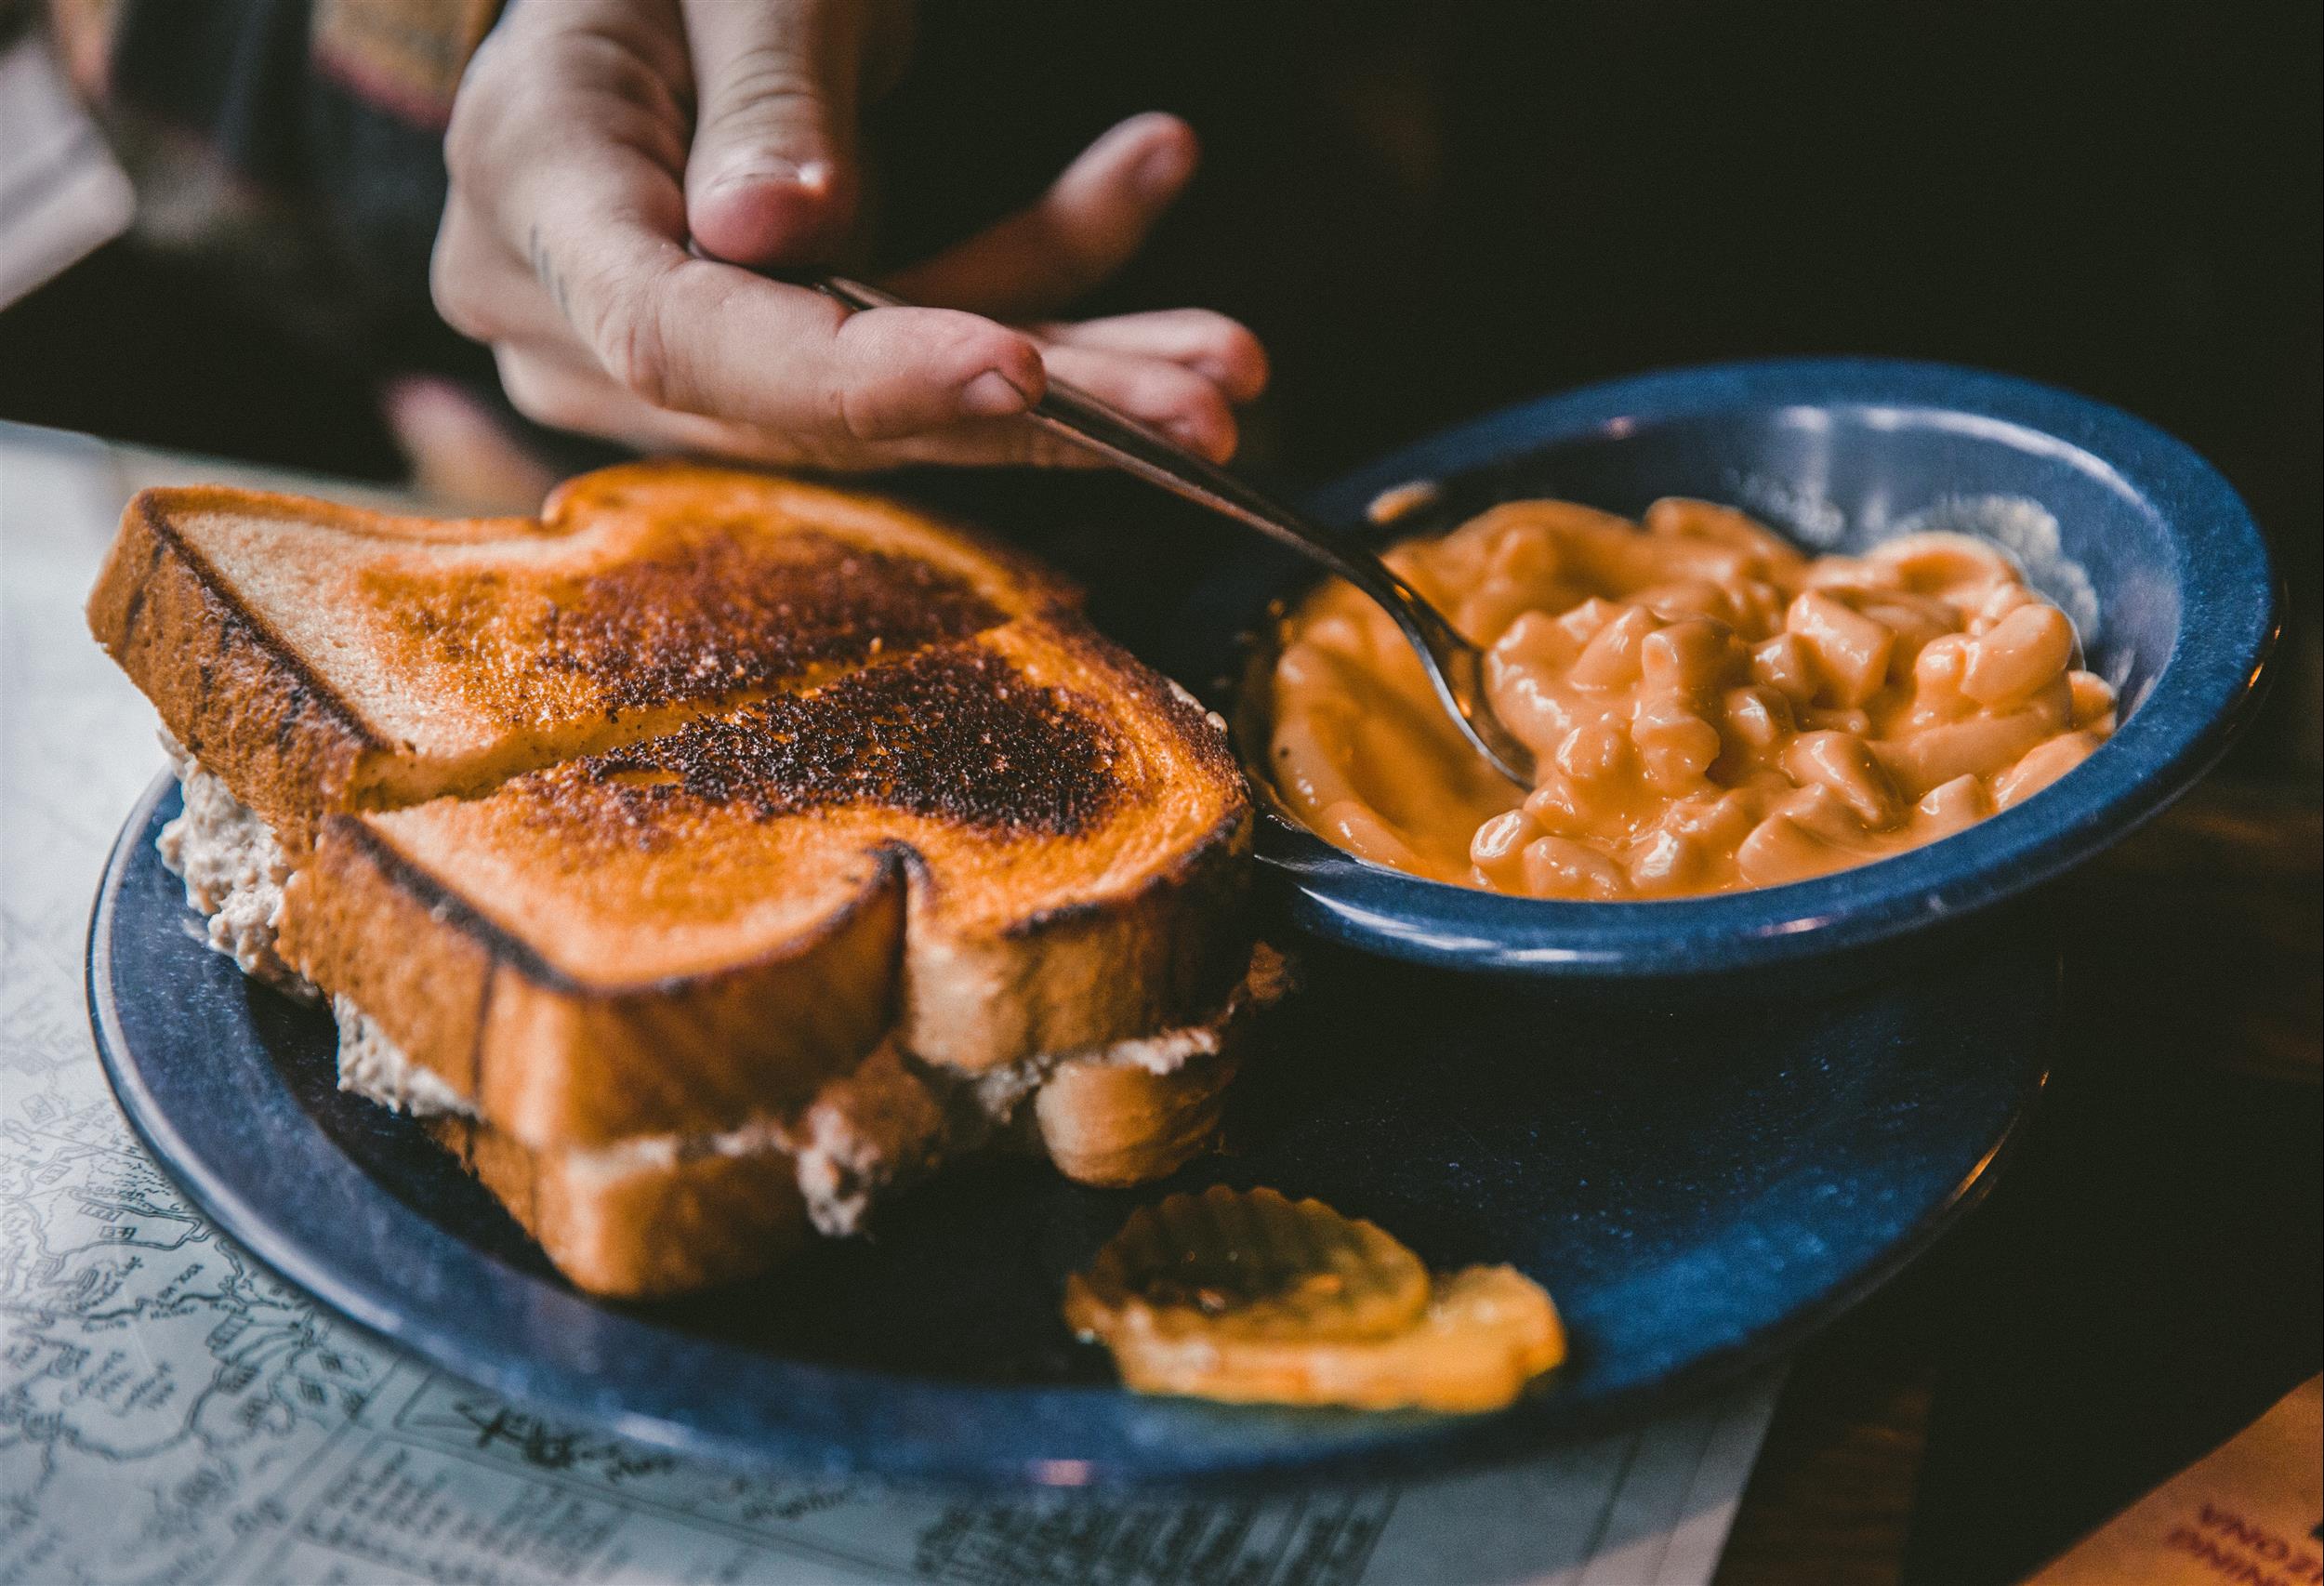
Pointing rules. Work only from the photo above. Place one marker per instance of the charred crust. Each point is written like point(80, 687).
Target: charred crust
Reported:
point(484, 993)
point(1190, 724)
point(909, 862)
point(954, 733)
point(704, 613)
point(239, 624)
point(287, 730)
point(1053, 593)
point(1214, 850)
point(1214, 755)
point(134, 609)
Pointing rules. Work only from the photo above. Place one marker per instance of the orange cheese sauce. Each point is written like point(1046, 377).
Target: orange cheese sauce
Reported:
point(1712, 709)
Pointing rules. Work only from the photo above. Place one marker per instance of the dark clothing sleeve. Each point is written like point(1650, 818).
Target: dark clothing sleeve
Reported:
point(296, 145)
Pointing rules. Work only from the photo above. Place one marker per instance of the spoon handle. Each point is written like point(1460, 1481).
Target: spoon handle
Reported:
point(1137, 448)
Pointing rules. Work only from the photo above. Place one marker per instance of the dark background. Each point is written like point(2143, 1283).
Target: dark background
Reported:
point(1427, 210)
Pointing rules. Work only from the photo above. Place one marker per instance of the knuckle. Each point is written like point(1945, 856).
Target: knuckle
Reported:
point(453, 307)
point(631, 345)
point(857, 413)
point(893, 368)
point(517, 93)
point(637, 85)
point(645, 330)
point(868, 400)
point(850, 420)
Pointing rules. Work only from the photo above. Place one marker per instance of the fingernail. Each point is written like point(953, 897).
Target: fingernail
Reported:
point(991, 396)
point(1161, 171)
point(814, 175)
point(1195, 437)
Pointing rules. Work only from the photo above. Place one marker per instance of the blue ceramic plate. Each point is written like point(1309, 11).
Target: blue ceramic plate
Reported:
point(1700, 1190)
point(2139, 539)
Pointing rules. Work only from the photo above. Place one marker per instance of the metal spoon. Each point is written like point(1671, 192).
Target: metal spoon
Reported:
point(1454, 665)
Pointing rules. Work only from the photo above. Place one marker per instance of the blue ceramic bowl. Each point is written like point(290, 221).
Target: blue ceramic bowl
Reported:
point(2128, 530)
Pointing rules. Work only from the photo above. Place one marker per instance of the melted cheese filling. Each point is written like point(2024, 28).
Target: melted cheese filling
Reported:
point(234, 870)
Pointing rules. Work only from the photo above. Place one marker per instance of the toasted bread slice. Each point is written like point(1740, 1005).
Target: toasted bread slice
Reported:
point(1146, 1107)
point(1015, 844)
point(1115, 1124)
point(657, 1215)
point(1121, 1115)
point(323, 658)
point(640, 1223)
point(649, 1215)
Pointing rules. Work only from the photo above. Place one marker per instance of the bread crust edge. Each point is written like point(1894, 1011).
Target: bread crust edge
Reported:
point(473, 1004)
point(226, 686)
point(1053, 981)
point(641, 1233)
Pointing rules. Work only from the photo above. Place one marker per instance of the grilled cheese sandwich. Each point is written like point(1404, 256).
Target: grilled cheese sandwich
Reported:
point(710, 858)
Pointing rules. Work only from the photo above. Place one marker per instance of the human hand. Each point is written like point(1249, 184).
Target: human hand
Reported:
point(592, 140)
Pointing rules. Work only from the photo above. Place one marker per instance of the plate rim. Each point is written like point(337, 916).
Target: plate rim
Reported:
point(370, 1300)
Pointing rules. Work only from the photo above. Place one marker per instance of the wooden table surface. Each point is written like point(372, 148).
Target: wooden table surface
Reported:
point(2142, 1283)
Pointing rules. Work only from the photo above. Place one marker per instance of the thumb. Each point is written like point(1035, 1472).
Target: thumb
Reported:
point(771, 177)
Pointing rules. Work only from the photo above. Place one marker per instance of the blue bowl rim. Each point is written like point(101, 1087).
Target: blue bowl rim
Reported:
point(2200, 700)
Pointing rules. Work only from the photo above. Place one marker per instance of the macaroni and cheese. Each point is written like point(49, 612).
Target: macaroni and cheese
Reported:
point(1710, 709)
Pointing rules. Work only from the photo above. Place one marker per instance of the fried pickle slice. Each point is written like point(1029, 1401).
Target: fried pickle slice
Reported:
point(1488, 1332)
point(1252, 1298)
point(1247, 1265)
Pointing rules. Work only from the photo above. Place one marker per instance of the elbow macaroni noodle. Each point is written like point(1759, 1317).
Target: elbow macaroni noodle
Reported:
point(1712, 709)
